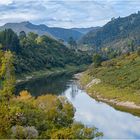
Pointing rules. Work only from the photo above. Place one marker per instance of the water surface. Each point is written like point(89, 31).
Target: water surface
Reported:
point(113, 123)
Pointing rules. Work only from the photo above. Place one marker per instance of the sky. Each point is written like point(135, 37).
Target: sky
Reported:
point(66, 13)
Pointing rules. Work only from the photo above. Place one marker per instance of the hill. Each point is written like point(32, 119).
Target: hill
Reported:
point(116, 81)
point(34, 53)
point(117, 34)
point(59, 33)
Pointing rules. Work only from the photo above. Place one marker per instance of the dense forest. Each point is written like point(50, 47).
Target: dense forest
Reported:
point(33, 52)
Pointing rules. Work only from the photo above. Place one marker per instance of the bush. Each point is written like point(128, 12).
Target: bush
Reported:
point(78, 131)
point(20, 132)
point(97, 59)
point(109, 63)
point(45, 117)
point(138, 52)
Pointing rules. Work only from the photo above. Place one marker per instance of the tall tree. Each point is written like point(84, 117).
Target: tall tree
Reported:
point(22, 35)
point(32, 36)
point(9, 40)
point(131, 45)
point(72, 42)
point(97, 59)
point(7, 75)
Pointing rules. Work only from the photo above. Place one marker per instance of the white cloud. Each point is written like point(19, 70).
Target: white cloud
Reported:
point(5, 2)
point(64, 13)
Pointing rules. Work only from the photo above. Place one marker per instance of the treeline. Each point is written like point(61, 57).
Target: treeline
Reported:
point(33, 52)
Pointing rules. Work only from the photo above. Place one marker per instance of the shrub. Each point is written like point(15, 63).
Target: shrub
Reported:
point(109, 63)
point(20, 132)
point(24, 95)
point(97, 59)
point(138, 52)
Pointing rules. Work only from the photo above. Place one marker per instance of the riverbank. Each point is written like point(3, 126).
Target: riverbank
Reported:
point(115, 82)
point(109, 94)
point(49, 72)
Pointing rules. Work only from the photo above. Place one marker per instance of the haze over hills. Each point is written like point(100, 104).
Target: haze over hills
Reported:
point(85, 30)
point(115, 34)
point(59, 33)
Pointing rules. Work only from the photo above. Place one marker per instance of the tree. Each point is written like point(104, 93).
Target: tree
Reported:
point(9, 40)
point(138, 52)
point(8, 81)
point(97, 59)
point(76, 131)
point(72, 42)
point(23, 39)
point(32, 36)
point(131, 45)
point(22, 35)
point(7, 75)
point(20, 132)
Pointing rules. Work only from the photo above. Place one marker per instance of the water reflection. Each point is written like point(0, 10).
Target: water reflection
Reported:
point(54, 85)
point(113, 123)
point(74, 90)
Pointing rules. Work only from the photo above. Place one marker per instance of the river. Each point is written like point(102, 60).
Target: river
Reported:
point(113, 123)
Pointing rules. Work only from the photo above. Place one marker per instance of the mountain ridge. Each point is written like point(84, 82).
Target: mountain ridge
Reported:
point(42, 29)
point(115, 34)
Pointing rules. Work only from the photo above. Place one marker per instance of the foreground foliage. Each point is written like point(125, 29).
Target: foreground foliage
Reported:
point(27, 117)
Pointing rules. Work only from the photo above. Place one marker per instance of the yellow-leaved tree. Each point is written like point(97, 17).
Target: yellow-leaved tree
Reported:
point(7, 82)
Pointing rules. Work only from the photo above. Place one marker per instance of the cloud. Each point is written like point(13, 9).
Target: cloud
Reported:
point(5, 2)
point(64, 13)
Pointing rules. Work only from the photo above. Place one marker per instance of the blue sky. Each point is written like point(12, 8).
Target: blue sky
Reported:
point(66, 13)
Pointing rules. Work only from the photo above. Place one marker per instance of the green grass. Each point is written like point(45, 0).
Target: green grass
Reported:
point(85, 79)
point(120, 79)
point(125, 72)
point(112, 92)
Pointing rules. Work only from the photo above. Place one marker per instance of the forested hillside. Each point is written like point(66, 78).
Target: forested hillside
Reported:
point(121, 34)
point(33, 52)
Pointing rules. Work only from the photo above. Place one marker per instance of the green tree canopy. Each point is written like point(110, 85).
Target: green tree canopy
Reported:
point(22, 35)
point(32, 36)
point(97, 59)
point(72, 42)
point(9, 40)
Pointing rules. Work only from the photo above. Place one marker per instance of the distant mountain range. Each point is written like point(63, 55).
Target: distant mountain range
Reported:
point(115, 34)
point(59, 33)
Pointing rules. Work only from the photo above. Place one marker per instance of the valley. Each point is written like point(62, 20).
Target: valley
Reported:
point(70, 83)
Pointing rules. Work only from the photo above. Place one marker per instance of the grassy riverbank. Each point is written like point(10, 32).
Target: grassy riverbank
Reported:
point(119, 82)
point(49, 72)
